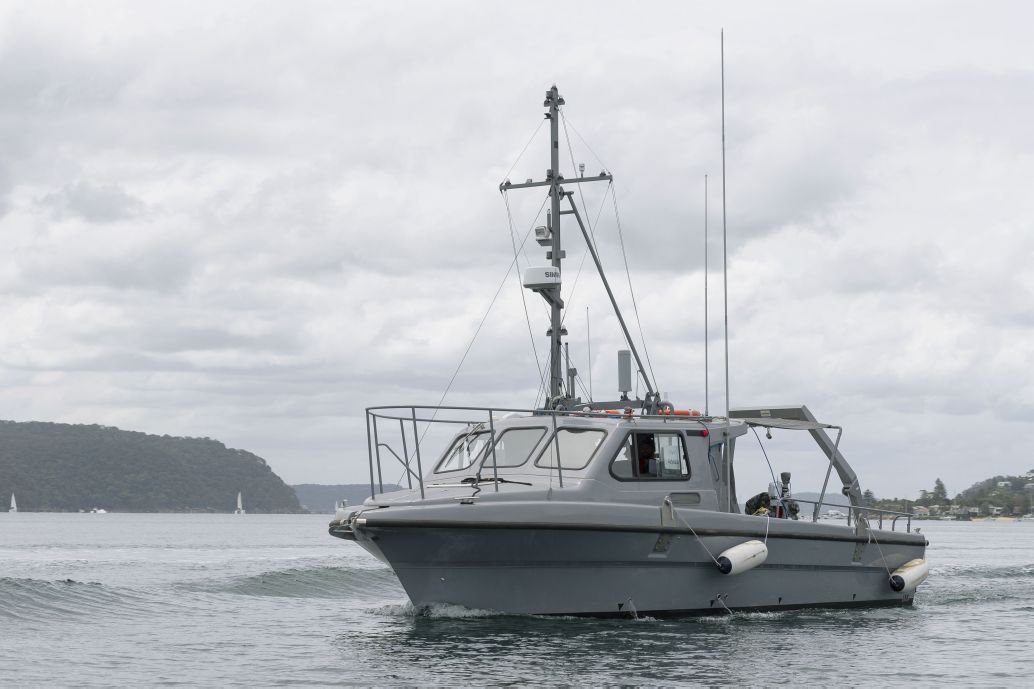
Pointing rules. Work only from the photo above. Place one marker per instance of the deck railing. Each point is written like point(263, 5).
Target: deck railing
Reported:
point(405, 443)
point(853, 509)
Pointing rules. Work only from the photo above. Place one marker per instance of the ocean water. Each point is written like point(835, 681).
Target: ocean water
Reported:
point(132, 599)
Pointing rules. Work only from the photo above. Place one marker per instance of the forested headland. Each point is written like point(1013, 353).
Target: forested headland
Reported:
point(66, 468)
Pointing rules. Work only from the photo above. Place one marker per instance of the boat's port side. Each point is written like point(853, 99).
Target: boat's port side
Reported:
point(608, 571)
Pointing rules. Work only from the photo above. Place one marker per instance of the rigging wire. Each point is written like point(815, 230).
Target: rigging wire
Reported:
point(628, 275)
point(586, 144)
point(585, 254)
point(524, 302)
point(523, 150)
point(477, 331)
point(770, 470)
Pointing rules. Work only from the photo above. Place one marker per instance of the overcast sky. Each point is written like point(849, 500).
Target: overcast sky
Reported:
point(250, 221)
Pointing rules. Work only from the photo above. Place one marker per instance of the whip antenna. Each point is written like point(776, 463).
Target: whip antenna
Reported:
point(725, 291)
point(707, 393)
point(588, 349)
point(725, 259)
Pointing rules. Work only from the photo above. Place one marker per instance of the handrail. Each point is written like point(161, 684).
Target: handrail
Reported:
point(859, 508)
point(411, 415)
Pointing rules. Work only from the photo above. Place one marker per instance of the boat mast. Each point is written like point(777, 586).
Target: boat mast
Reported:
point(546, 280)
point(556, 377)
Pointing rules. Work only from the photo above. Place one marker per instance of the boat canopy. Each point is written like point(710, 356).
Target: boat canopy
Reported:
point(788, 424)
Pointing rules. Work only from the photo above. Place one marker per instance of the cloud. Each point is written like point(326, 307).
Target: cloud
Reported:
point(98, 204)
point(252, 224)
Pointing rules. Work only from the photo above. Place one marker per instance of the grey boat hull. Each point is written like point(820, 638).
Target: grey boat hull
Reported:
point(614, 570)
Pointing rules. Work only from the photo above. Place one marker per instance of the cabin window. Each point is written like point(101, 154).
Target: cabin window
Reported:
point(651, 456)
point(465, 450)
point(576, 447)
point(514, 447)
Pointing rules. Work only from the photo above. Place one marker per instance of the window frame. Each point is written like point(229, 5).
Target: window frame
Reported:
point(636, 477)
point(552, 439)
point(449, 449)
point(486, 462)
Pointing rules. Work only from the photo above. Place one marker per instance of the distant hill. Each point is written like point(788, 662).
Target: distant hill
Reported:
point(321, 498)
point(65, 468)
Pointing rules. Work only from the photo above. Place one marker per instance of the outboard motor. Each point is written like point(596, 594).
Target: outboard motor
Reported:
point(786, 507)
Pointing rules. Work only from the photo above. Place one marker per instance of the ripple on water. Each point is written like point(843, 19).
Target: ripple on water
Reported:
point(320, 581)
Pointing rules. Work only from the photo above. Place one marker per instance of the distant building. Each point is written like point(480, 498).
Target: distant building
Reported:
point(921, 511)
point(1005, 484)
point(994, 511)
point(1029, 487)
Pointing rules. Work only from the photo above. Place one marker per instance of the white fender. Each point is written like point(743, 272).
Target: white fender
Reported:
point(742, 557)
point(910, 575)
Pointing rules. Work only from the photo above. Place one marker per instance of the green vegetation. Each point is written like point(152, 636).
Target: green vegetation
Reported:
point(1007, 495)
point(66, 468)
point(1000, 495)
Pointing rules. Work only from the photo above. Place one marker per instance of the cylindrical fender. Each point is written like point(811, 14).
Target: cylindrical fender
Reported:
point(909, 575)
point(742, 557)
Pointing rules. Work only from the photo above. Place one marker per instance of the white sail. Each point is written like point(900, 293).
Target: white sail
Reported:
point(14, 504)
point(240, 505)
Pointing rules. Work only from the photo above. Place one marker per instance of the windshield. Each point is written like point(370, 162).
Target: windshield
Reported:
point(576, 447)
point(464, 451)
point(513, 447)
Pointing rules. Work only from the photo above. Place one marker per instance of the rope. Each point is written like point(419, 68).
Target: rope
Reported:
point(872, 535)
point(702, 544)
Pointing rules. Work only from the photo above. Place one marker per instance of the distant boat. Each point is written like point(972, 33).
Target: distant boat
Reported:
point(1024, 518)
point(14, 504)
point(98, 510)
point(240, 506)
point(834, 514)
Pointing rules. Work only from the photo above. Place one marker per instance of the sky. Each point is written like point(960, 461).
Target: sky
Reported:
point(251, 221)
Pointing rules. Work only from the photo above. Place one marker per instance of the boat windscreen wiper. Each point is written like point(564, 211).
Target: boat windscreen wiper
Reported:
point(479, 479)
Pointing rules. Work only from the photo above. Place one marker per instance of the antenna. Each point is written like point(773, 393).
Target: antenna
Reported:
point(707, 392)
point(588, 349)
point(725, 291)
point(725, 258)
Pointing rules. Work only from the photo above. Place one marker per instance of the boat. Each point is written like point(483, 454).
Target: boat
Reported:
point(624, 507)
point(1027, 518)
point(240, 505)
point(14, 504)
point(98, 510)
point(834, 514)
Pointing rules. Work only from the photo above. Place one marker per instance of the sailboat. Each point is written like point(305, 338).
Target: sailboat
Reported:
point(613, 508)
point(240, 506)
point(14, 504)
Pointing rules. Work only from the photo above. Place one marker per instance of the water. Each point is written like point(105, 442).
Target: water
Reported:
point(258, 600)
